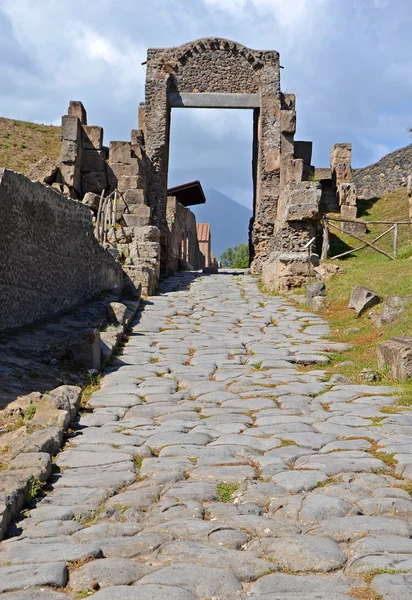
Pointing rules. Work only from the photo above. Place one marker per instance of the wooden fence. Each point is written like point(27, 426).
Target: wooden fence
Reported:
point(107, 215)
point(328, 222)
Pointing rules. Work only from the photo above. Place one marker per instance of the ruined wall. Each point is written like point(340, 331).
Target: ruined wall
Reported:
point(183, 245)
point(49, 257)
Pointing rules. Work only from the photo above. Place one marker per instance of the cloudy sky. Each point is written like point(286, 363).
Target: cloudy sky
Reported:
point(348, 61)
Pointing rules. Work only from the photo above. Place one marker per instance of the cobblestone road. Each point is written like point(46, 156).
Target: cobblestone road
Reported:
point(214, 466)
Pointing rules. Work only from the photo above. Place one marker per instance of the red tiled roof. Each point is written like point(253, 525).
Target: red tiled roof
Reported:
point(203, 232)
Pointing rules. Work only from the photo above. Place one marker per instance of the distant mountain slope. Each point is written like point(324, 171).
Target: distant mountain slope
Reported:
point(22, 143)
point(229, 221)
point(388, 174)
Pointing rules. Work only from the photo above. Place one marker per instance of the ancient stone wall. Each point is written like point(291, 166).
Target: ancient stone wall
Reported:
point(388, 174)
point(49, 257)
point(183, 246)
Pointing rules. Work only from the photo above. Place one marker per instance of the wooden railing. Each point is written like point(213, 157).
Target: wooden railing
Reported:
point(328, 222)
point(107, 214)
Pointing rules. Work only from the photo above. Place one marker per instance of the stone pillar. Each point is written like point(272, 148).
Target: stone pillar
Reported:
point(70, 157)
point(267, 164)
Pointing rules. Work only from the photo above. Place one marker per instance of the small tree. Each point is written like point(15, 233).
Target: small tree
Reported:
point(236, 257)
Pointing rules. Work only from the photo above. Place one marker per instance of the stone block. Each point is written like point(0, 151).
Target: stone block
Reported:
point(137, 168)
point(92, 137)
point(119, 152)
point(145, 250)
point(327, 270)
point(71, 129)
point(69, 152)
point(84, 349)
point(92, 161)
point(348, 212)
point(282, 272)
point(92, 200)
point(130, 183)
point(38, 463)
point(71, 176)
point(137, 137)
point(317, 288)
point(145, 234)
point(116, 313)
point(94, 182)
point(354, 227)
point(396, 355)
point(211, 270)
point(144, 276)
point(139, 218)
point(135, 198)
point(45, 171)
point(76, 109)
point(288, 121)
point(67, 397)
point(303, 150)
point(317, 303)
point(393, 306)
point(341, 153)
point(342, 173)
point(347, 194)
point(362, 298)
point(295, 168)
point(303, 212)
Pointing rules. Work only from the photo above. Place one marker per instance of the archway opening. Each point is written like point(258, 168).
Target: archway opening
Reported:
point(215, 146)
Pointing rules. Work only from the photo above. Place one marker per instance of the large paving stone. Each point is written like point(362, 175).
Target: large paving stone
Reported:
point(25, 552)
point(299, 481)
point(304, 553)
point(283, 586)
point(107, 572)
point(346, 529)
point(245, 565)
point(203, 582)
point(144, 592)
point(393, 586)
point(20, 577)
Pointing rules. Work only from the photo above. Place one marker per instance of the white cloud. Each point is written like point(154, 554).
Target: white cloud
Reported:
point(284, 11)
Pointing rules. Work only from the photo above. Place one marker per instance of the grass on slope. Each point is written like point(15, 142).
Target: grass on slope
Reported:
point(373, 270)
point(22, 143)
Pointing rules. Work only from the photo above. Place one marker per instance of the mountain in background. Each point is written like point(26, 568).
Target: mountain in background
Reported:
point(229, 220)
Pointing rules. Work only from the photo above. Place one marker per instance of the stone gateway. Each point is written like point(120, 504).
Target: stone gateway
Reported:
point(218, 73)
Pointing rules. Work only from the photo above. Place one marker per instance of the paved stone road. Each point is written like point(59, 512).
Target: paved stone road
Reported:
point(214, 466)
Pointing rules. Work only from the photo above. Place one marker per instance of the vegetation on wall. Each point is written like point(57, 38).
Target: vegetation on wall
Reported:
point(236, 257)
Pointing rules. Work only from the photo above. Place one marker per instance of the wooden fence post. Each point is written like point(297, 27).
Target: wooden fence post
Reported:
point(395, 241)
point(325, 243)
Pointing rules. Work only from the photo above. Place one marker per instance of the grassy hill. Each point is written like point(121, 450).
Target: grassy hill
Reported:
point(373, 270)
point(22, 143)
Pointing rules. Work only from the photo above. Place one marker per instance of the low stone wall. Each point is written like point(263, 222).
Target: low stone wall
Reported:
point(49, 257)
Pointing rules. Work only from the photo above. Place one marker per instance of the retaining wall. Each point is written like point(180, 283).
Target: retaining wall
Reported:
point(49, 257)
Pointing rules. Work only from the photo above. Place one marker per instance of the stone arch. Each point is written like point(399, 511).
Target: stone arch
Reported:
point(215, 73)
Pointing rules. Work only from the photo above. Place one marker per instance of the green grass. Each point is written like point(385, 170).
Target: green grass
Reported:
point(225, 491)
point(27, 143)
point(375, 271)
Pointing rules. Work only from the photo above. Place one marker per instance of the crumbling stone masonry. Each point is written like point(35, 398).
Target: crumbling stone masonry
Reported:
point(218, 73)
